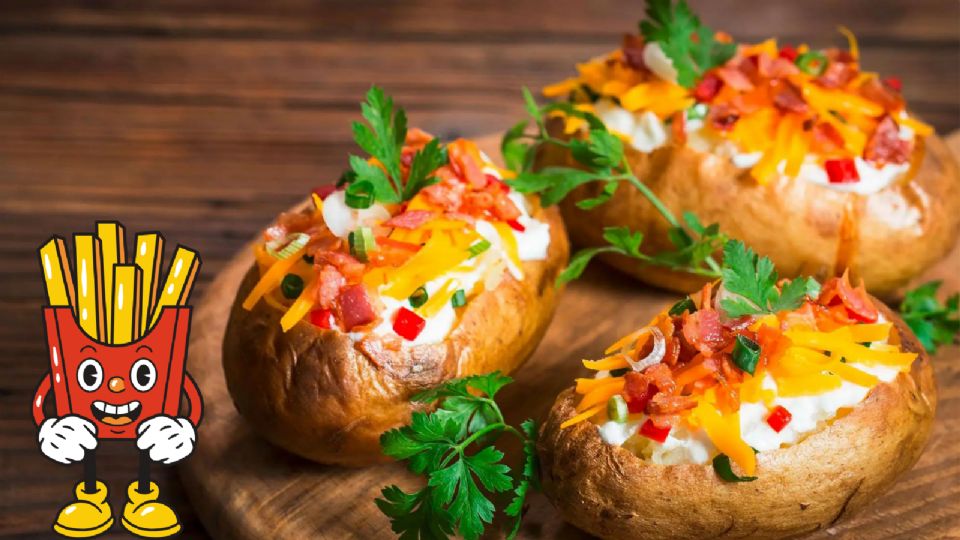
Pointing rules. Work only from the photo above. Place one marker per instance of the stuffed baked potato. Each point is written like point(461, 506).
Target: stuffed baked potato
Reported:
point(760, 426)
point(795, 151)
point(358, 301)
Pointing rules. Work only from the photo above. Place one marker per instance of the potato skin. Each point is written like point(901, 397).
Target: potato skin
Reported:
point(610, 493)
point(312, 392)
point(799, 225)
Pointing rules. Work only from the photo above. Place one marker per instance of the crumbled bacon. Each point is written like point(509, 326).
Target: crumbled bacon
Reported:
point(411, 219)
point(857, 302)
point(788, 98)
point(330, 283)
point(703, 331)
point(886, 146)
point(826, 139)
point(837, 75)
point(633, 51)
point(660, 376)
point(664, 404)
point(637, 390)
point(349, 267)
point(465, 164)
point(722, 116)
point(735, 78)
point(355, 307)
point(447, 193)
point(889, 98)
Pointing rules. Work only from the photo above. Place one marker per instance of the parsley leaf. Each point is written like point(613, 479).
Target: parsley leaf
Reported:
point(425, 161)
point(690, 45)
point(461, 482)
point(933, 322)
point(512, 148)
point(754, 280)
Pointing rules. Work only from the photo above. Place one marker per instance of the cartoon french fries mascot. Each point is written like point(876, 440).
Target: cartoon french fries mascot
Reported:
point(117, 349)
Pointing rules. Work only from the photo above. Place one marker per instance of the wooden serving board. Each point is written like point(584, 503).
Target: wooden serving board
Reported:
point(242, 487)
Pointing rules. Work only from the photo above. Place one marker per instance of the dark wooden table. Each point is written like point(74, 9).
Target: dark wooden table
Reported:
point(203, 118)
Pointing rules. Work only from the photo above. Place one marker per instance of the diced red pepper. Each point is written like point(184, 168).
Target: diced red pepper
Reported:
point(789, 52)
point(779, 418)
point(707, 88)
point(320, 318)
point(516, 225)
point(841, 171)
point(894, 83)
point(651, 431)
point(324, 191)
point(408, 324)
point(493, 181)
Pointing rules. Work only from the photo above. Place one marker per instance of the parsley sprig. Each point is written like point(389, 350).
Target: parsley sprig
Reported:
point(454, 447)
point(753, 280)
point(600, 157)
point(690, 45)
point(933, 322)
point(383, 136)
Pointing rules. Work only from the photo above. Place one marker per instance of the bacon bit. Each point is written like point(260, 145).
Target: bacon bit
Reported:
point(837, 75)
point(703, 331)
point(886, 146)
point(349, 267)
point(411, 219)
point(826, 139)
point(707, 88)
point(637, 391)
point(661, 377)
point(664, 404)
point(885, 96)
point(672, 355)
point(355, 307)
point(464, 157)
point(787, 98)
point(678, 127)
point(633, 52)
point(772, 344)
point(494, 182)
point(504, 209)
point(460, 216)
point(447, 193)
point(781, 68)
point(706, 296)
point(855, 300)
point(331, 282)
point(735, 78)
point(722, 117)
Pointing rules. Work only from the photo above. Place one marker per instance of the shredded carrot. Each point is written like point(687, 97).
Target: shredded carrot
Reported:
point(590, 413)
point(615, 361)
point(585, 385)
point(694, 371)
point(624, 341)
point(271, 279)
point(601, 393)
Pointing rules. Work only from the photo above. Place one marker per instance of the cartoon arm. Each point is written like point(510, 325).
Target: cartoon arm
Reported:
point(167, 439)
point(65, 439)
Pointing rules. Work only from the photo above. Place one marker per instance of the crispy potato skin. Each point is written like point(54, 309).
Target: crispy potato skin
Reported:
point(800, 225)
point(609, 492)
point(312, 392)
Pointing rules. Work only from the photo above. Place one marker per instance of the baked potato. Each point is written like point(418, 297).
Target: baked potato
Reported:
point(663, 469)
point(350, 312)
point(795, 151)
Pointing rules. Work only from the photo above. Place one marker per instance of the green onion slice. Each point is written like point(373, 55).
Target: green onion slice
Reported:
point(419, 297)
point(697, 112)
point(478, 248)
point(291, 244)
point(359, 195)
point(721, 466)
point(812, 63)
point(291, 286)
point(362, 243)
point(746, 354)
point(684, 305)
point(619, 372)
point(459, 299)
point(617, 408)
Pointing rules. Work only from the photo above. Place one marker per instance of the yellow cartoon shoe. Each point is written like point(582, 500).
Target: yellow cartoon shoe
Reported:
point(87, 516)
point(145, 517)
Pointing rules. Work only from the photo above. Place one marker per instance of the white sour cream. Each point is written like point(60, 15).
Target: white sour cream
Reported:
point(341, 219)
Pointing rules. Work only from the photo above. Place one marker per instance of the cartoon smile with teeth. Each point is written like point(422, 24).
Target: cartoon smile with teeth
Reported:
point(114, 381)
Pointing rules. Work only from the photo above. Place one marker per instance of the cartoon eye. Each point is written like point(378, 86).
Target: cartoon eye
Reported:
point(90, 374)
point(143, 374)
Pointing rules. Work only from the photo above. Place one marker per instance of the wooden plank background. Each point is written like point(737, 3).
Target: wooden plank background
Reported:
point(204, 118)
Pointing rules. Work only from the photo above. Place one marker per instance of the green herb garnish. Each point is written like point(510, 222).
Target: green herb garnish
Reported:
point(459, 299)
point(754, 280)
point(684, 305)
point(812, 63)
point(418, 298)
point(721, 466)
point(746, 354)
point(933, 322)
point(453, 447)
point(291, 286)
point(478, 248)
point(619, 372)
point(689, 45)
point(617, 409)
point(383, 137)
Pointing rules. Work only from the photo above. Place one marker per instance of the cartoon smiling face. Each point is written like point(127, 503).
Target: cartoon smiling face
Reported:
point(117, 386)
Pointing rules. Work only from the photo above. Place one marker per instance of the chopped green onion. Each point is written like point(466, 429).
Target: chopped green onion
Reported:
point(347, 177)
point(459, 299)
point(684, 305)
point(292, 244)
point(812, 63)
point(746, 354)
point(419, 297)
point(291, 286)
point(362, 243)
point(721, 466)
point(617, 408)
point(697, 112)
point(308, 259)
point(359, 195)
point(478, 248)
point(619, 372)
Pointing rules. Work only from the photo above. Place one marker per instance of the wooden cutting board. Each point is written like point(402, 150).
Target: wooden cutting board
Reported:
point(242, 487)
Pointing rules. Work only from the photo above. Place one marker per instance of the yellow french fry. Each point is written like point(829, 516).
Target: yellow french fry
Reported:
point(126, 303)
point(111, 238)
point(149, 252)
point(89, 285)
point(56, 273)
point(179, 282)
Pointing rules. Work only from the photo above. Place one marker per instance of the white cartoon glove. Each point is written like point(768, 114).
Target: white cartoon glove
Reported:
point(67, 439)
point(168, 439)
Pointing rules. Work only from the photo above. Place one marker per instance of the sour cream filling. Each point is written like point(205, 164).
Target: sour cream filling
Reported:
point(532, 245)
point(646, 132)
point(684, 445)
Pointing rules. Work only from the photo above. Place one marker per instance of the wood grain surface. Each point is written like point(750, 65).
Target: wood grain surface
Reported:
point(203, 118)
